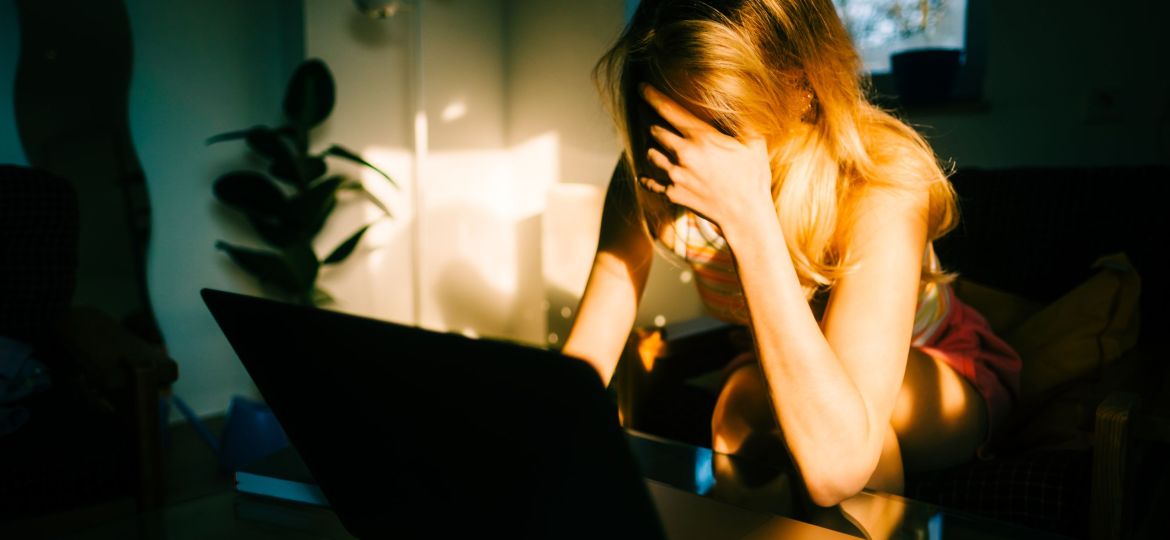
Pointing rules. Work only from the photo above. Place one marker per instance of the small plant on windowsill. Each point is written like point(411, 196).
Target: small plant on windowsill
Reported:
point(925, 72)
point(924, 75)
point(289, 204)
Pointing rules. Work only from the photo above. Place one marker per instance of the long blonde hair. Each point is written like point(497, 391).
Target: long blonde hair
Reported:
point(785, 69)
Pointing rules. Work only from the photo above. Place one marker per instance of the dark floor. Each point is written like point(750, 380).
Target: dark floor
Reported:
point(200, 503)
point(192, 470)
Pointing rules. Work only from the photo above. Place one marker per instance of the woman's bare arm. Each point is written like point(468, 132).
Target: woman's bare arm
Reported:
point(610, 303)
point(833, 388)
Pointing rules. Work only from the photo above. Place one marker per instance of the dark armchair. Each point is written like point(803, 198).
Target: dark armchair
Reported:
point(91, 446)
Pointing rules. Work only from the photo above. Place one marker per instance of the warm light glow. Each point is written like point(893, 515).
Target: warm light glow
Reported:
point(480, 254)
point(399, 164)
point(571, 223)
point(903, 408)
point(880, 518)
point(420, 133)
point(454, 111)
point(951, 396)
point(649, 346)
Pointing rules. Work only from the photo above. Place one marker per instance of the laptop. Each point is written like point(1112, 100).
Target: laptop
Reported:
point(415, 433)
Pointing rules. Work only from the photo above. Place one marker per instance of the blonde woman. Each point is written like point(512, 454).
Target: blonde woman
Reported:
point(808, 216)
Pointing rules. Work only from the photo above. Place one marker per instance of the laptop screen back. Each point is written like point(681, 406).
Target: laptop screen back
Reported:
point(417, 433)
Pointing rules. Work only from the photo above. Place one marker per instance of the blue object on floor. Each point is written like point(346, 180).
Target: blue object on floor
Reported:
point(250, 432)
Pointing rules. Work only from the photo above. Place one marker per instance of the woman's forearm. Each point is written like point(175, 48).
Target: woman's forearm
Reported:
point(606, 313)
point(826, 422)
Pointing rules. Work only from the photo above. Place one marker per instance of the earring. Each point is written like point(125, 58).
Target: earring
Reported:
point(808, 114)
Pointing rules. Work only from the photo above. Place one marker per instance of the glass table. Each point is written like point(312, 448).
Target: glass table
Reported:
point(771, 489)
point(687, 470)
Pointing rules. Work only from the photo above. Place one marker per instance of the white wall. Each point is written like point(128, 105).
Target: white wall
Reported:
point(1045, 64)
point(371, 65)
point(11, 151)
point(475, 225)
point(552, 48)
point(501, 98)
point(202, 68)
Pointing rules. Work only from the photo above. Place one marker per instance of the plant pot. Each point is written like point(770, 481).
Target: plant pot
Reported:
point(925, 76)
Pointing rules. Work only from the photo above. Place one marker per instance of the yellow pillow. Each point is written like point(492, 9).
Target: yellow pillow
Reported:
point(1077, 335)
point(1072, 338)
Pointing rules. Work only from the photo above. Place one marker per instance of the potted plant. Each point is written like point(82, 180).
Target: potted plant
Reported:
point(923, 74)
point(291, 201)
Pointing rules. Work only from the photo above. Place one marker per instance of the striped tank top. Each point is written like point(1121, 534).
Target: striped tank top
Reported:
point(699, 243)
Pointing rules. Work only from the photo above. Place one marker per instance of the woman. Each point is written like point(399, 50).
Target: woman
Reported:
point(808, 215)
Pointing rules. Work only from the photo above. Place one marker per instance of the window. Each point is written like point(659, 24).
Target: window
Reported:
point(882, 27)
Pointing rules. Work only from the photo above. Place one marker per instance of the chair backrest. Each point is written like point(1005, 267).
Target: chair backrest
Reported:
point(38, 250)
point(1035, 231)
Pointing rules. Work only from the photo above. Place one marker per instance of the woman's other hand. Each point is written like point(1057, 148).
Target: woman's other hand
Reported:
point(717, 176)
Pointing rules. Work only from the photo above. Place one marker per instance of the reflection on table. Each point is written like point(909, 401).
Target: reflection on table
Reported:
point(775, 489)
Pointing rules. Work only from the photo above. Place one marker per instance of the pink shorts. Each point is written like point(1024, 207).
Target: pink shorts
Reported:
point(966, 343)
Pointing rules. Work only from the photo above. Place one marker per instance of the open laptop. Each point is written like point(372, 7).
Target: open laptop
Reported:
point(414, 433)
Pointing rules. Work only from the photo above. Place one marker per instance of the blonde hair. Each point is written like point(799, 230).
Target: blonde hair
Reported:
point(785, 69)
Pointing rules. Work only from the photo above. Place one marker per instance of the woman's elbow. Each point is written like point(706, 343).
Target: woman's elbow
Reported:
point(829, 485)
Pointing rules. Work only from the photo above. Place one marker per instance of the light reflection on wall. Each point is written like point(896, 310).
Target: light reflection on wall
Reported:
point(373, 281)
point(480, 257)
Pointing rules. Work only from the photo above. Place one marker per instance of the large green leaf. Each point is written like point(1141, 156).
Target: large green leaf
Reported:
point(343, 153)
point(302, 171)
point(304, 261)
point(276, 230)
point(298, 135)
point(311, 208)
point(309, 98)
point(229, 136)
point(250, 192)
point(321, 297)
point(343, 251)
point(271, 144)
point(292, 270)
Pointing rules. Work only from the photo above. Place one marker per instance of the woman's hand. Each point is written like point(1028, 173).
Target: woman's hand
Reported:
point(719, 177)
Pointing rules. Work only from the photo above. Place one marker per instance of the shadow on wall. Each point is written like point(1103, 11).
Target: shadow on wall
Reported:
point(469, 300)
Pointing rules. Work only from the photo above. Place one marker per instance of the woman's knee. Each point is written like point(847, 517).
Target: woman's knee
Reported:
point(743, 410)
point(940, 418)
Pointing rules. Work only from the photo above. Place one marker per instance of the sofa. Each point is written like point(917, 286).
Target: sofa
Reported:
point(1063, 262)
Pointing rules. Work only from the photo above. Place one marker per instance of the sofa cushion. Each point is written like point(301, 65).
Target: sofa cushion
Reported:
point(1072, 338)
point(1080, 333)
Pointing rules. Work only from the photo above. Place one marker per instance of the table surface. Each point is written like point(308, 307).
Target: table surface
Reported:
point(678, 473)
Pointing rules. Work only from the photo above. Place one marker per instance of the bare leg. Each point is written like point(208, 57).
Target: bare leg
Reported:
point(939, 417)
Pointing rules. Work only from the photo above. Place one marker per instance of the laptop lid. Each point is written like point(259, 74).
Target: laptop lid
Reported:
point(411, 432)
